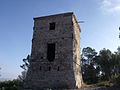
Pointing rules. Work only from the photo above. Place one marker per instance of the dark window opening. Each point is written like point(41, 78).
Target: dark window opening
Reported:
point(51, 52)
point(49, 68)
point(62, 38)
point(40, 68)
point(52, 26)
point(41, 57)
point(58, 69)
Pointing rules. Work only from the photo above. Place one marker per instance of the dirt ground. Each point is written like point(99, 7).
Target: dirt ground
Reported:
point(94, 87)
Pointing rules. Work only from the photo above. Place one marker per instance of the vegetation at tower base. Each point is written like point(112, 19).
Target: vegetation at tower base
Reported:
point(10, 85)
point(25, 67)
point(88, 70)
point(97, 68)
point(104, 66)
point(16, 84)
point(101, 68)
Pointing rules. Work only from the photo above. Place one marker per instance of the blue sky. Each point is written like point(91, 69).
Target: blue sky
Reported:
point(100, 30)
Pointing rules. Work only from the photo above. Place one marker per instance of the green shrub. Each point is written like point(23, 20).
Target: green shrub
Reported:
point(10, 85)
point(116, 79)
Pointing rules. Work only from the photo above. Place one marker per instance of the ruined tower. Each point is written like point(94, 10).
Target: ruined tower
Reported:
point(55, 55)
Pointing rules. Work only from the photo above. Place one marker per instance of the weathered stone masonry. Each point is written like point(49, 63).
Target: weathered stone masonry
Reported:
point(55, 55)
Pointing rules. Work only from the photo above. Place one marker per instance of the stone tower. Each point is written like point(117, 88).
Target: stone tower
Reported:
point(55, 55)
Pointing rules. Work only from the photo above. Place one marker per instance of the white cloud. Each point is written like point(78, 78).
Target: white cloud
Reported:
point(110, 5)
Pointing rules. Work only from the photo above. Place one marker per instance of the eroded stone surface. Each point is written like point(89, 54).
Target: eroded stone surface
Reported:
point(64, 71)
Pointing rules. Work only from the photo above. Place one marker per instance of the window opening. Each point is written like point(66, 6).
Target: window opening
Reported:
point(62, 38)
point(41, 57)
point(40, 68)
point(58, 69)
point(51, 52)
point(49, 68)
point(52, 26)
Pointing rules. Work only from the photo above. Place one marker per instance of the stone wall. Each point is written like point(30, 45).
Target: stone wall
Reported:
point(64, 70)
point(76, 52)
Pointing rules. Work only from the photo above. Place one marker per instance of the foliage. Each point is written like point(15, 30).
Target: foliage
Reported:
point(116, 79)
point(25, 64)
point(88, 70)
point(104, 66)
point(105, 63)
point(22, 76)
point(25, 67)
point(10, 85)
point(88, 54)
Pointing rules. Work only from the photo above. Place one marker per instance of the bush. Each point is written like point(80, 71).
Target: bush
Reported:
point(116, 79)
point(10, 85)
